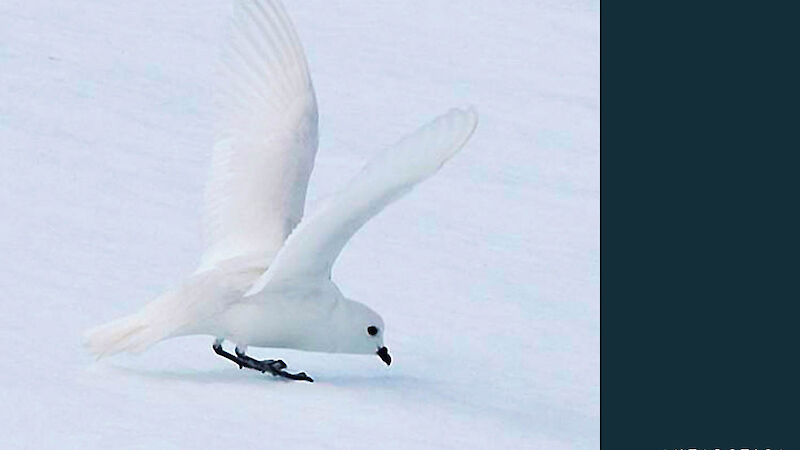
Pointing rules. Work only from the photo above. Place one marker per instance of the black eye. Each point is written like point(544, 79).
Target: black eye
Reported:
point(372, 330)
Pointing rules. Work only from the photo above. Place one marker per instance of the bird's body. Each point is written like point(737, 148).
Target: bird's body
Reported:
point(213, 302)
point(265, 277)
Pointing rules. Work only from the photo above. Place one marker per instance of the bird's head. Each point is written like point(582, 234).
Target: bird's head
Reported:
point(360, 330)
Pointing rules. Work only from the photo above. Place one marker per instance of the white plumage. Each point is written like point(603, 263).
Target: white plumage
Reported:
point(266, 136)
point(264, 279)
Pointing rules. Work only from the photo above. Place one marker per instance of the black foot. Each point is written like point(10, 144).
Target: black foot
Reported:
point(274, 367)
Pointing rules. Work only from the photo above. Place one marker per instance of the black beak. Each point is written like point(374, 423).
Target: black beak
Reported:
point(383, 352)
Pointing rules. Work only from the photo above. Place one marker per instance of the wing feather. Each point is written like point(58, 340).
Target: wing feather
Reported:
point(265, 138)
point(309, 253)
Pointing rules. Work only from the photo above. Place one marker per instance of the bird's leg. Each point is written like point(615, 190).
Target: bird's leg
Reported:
point(217, 346)
point(267, 364)
point(274, 367)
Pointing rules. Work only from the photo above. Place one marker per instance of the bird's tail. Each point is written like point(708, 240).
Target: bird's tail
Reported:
point(137, 332)
point(132, 333)
point(169, 315)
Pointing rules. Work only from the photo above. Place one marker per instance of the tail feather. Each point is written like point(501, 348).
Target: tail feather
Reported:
point(128, 334)
point(174, 313)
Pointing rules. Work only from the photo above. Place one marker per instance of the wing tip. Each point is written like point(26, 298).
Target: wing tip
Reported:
point(469, 114)
point(471, 111)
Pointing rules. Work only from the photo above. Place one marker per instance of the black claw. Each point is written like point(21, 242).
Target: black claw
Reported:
point(278, 365)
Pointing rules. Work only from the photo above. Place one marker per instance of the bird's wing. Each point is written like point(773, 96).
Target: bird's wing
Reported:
point(309, 253)
point(265, 139)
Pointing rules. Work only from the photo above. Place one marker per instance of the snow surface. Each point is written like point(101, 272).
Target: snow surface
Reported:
point(487, 275)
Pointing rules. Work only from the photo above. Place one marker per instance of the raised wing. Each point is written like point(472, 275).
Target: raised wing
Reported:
point(266, 137)
point(309, 253)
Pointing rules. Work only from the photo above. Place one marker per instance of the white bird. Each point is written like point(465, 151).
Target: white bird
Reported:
point(265, 277)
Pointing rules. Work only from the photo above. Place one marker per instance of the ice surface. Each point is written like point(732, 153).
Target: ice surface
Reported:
point(487, 274)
